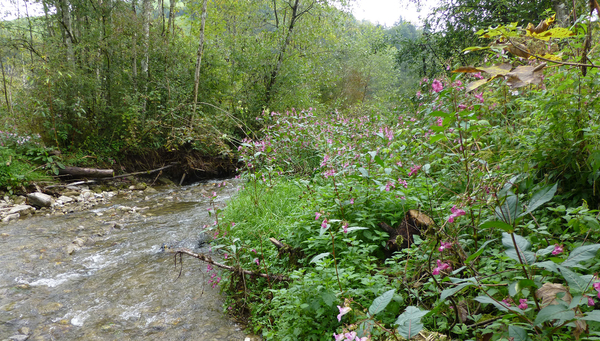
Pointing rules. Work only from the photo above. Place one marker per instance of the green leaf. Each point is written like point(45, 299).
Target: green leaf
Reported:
point(581, 254)
point(559, 311)
point(479, 252)
point(500, 306)
point(499, 224)
point(545, 251)
point(437, 137)
point(517, 333)
point(449, 292)
point(509, 210)
point(364, 172)
point(541, 197)
point(577, 282)
point(328, 298)
point(319, 257)
point(409, 322)
point(516, 287)
point(523, 246)
point(381, 302)
point(356, 228)
point(548, 265)
point(593, 315)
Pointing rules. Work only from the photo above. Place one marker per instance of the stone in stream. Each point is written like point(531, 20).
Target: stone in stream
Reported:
point(23, 210)
point(19, 337)
point(39, 199)
point(14, 216)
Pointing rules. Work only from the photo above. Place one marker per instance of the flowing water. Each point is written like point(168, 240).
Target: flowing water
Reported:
point(116, 283)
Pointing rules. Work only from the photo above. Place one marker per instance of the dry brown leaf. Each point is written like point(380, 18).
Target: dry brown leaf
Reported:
point(542, 26)
point(474, 85)
point(518, 50)
point(466, 69)
point(549, 291)
point(523, 76)
point(580, 327)
point(498, 69)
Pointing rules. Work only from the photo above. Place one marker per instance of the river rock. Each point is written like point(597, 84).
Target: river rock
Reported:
point(65, 199)
point(19, 337)
point(20, 200)
point(23, 210)
point(14, 216)
point(39, 199)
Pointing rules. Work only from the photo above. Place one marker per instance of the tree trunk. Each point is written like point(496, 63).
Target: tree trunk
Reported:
point(146, 11)
point(199, 59)
point(86, 172)
point(66, 28)
point(171, 19)
point(8, 104)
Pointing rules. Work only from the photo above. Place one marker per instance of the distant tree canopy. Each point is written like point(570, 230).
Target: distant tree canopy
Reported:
point(114, 75)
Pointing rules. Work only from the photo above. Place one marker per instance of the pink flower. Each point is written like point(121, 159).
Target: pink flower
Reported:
point(478, 75)
point(456, 212)
point(257, 261)
point(507, 302)
point(590, 301)
point(214, 194)
point(317, 215)
point(445, 246)
point(558, 249)
point(253, 250)
point(226, 255)
point(441, 267)
point(479, 96)
point(352, 201)
point(345, 227)
point(414, 170)
point(324, 223)
point(232, 224)
point(343, 311)
point(339, 337)
point(523, 304)
point(440, 121)
point(350, 336)
point(418, 93)
point(437, 86)
point(462, 107)
point(596, 286)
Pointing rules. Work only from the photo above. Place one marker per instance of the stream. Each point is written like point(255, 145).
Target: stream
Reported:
point(99, 274)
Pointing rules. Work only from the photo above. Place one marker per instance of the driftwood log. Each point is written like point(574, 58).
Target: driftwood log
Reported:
point(86, 172)
point(401, 237)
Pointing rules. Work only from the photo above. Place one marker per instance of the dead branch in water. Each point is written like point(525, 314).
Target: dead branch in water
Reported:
point(209, 260)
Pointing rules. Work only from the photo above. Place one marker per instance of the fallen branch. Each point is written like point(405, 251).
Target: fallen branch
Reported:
point(209, 260)
point(86, 172)
point(113, 177)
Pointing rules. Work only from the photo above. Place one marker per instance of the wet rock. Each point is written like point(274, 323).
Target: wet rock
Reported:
point(71, 248)
point(20, 200)
point(63, 199)
point(19, 337)
point(86, 195)
point(150, 190)
point(23, 210)
point(24, 330)
point(14, 216)
point(39, 199)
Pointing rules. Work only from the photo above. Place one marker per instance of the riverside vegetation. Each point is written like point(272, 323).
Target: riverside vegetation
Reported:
point(502, 156)
point(508, 174)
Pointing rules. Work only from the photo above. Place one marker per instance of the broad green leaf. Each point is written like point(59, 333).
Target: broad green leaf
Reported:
point(449, 292)
point(499, 305)
point(523, 246)
point(319, 257)
point(499, 224)
point(381, 302)
point(577, 283)
point(509, 210)
point(581, 254)
point(356, 228)
point(328, 297)
point(541, 197)
point(517, 333)
point(479, 252)
point(554, 312)
point(364, 172)
point(548, 265)
point(577, 301)
point(545, 251)
point(437, 137)
point(409, 322)
point(593, 315)
point(516, 287)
